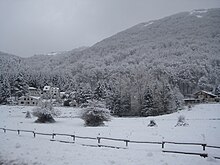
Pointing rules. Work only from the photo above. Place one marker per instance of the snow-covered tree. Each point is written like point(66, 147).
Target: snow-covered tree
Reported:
point(95, 115)
point(217, 90)
point(181, 121)
point(5, 89)
point(28, 115)
point(20, 86)
point(152, 123)
point(148, 104)
point(99, 92)
point(45, 112)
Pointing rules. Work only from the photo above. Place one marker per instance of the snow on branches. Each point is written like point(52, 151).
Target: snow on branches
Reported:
point(95, 115)
point(45, 112)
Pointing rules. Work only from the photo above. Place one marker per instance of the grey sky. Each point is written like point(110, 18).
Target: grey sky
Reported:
point(29, 27)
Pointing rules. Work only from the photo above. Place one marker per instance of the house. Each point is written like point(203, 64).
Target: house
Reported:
point(51, 92)
point(33, 91)
point(205, 96)
point(28, 100)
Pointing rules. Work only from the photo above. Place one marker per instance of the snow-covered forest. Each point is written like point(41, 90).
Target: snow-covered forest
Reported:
point(144, 70)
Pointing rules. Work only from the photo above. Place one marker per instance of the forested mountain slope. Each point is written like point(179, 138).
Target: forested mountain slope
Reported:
point(136, 71)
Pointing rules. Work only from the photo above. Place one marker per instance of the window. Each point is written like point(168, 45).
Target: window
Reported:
point(24, 98)
point(31, 99)
point(33, 102)
point(22, 102)
point(28, 103)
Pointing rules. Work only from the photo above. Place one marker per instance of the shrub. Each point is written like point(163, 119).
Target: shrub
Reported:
point(95, 116)
point(181, 121)
point(45, 112)
point(28, 115)
point(152, 123)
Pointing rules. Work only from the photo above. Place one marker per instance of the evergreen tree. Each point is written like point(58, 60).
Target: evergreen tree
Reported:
point(148, 104)
point(99, 92)
point(20, 87)
point(4, 89)
point(217, 90)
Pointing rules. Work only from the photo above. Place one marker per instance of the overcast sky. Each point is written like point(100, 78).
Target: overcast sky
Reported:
point(29, 27)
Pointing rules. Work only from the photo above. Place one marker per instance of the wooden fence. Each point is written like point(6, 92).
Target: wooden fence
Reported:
point(126, 141)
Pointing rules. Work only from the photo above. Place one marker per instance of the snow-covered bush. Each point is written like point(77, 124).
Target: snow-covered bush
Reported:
point(189, 107)
point(28, 115)
point(45, 112)
point(95, 115)
point(181, 121)
point(152, 123)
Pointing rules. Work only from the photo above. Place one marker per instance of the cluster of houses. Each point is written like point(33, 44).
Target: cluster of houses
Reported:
point(34, 95)
point(202, 97)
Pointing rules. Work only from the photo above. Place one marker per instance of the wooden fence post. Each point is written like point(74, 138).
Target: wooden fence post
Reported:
point(126, 142)
point(203, 146)
point(34, 134)
point(99, 140)
point(4, 130)
point(18, 132)
point(74, 137)
point(163, 143)
point(53, 135)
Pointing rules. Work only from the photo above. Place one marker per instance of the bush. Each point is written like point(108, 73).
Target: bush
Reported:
point(95, 116)
point(152, 123)
point(28, 115)
point(181, 121)
point(45, 112)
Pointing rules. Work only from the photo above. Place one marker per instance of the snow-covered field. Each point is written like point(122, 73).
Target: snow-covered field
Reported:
point(204, 127)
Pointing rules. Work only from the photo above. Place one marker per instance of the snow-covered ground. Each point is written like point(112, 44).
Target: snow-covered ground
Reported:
point(204, 127)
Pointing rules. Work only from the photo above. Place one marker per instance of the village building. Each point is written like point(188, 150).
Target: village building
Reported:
point(28, 100)
point(205, 96)
point(201, 97)
point(50, 92)
point(33, 91)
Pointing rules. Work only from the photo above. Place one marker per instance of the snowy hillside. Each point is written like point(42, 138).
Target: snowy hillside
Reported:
point(175, 55)
point(204, 127)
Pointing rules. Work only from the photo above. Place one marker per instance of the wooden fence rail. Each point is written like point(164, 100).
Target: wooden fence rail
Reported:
point(183, 143)
point(188, 153)
point(121, 140)
point(213, 146)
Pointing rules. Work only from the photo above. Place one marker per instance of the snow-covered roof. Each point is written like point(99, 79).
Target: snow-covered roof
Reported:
point(46, 88)
point(35, 97)
point(45, 100)
point(189, 99)
point(32, 88)
point(208, 93)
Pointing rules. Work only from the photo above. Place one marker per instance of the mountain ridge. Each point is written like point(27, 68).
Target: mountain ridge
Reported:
point(181, 51)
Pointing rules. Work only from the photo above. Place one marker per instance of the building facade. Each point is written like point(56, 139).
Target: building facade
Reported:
point(205, 96)
point(33, 91)
point(50, 92)
point(28, 100)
